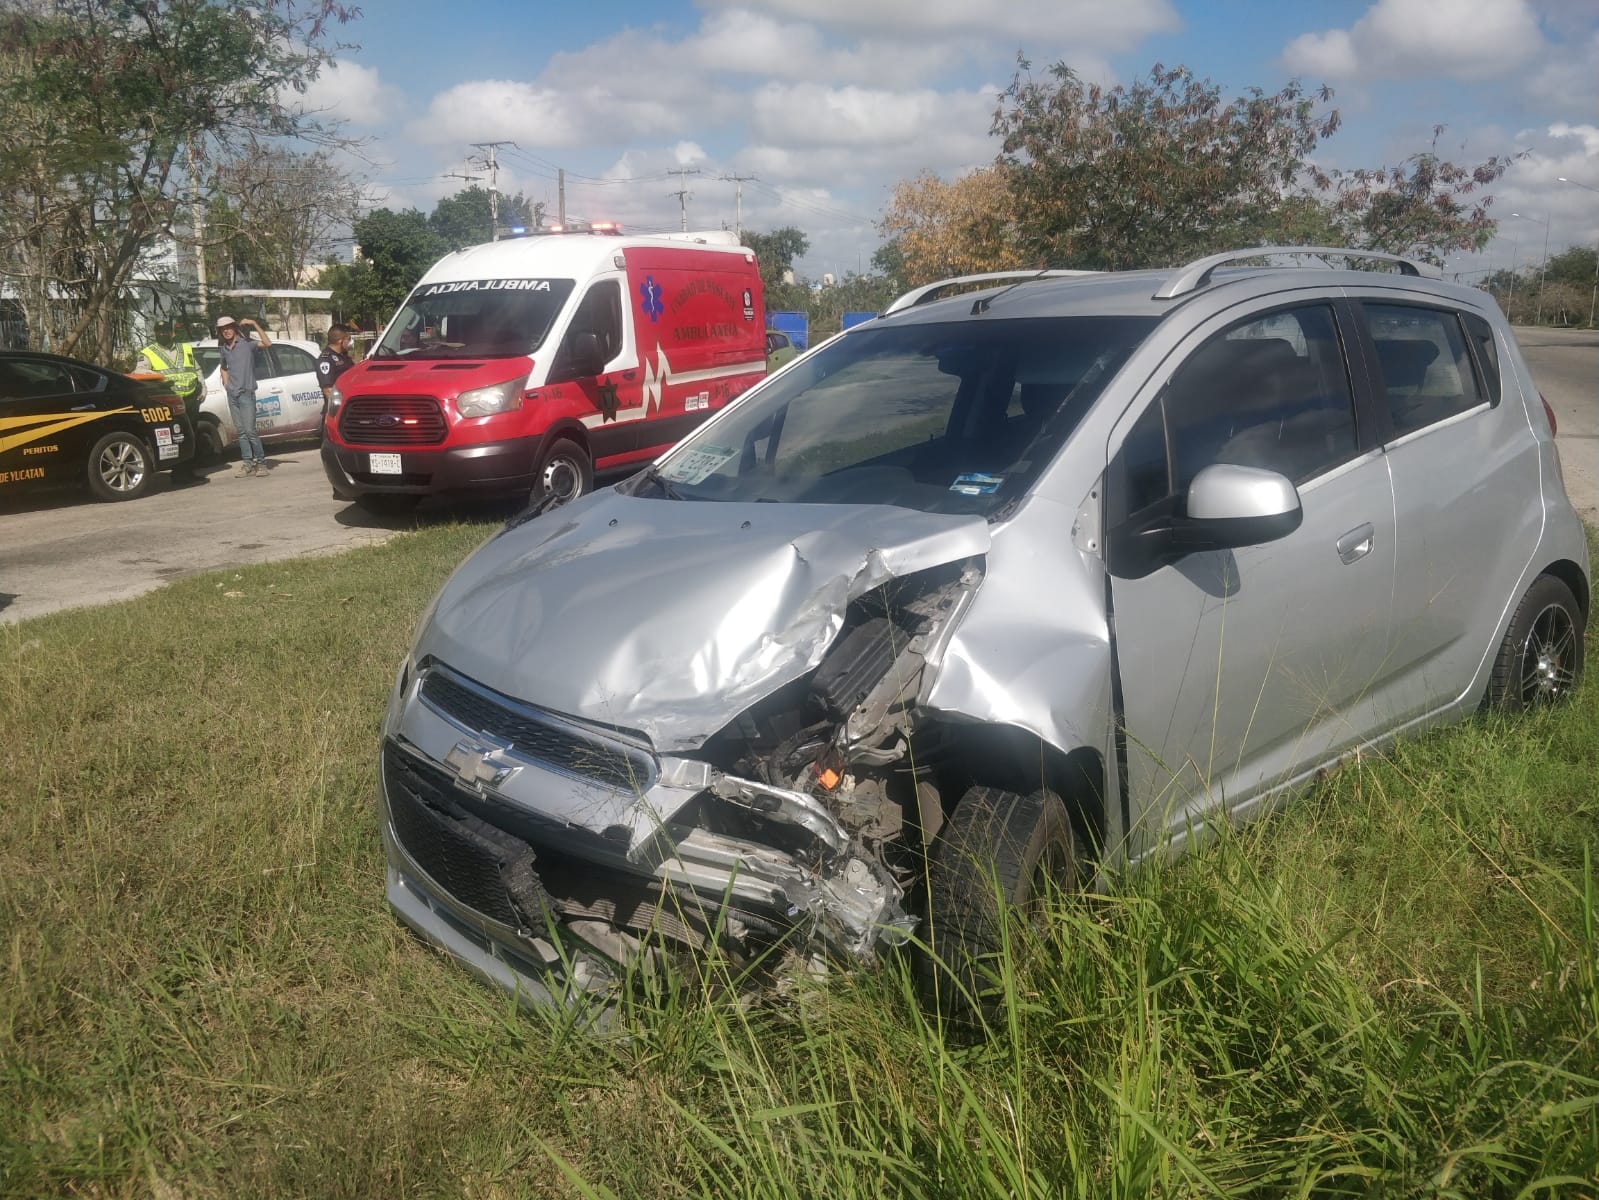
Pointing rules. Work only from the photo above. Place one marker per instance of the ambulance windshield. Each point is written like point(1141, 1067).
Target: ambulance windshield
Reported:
point(475, 318)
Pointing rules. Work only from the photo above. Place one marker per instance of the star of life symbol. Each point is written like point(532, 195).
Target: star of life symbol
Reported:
point(650, 292)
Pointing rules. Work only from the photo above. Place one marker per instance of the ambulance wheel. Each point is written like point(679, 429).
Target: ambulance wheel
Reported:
point(119, 467)
point(565, 474)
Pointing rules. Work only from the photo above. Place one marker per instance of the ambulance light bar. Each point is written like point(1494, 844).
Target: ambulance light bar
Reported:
point(612, 227)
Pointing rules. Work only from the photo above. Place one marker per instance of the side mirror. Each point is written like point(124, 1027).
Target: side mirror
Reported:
point(587, 357)
point(1226, 506)
point(1229, 506)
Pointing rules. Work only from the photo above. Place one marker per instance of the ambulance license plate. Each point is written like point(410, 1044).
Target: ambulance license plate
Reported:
point(385, 464)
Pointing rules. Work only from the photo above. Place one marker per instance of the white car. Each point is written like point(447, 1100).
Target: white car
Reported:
point(288, 399)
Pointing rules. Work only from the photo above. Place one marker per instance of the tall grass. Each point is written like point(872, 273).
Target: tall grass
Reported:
point(1387, 990)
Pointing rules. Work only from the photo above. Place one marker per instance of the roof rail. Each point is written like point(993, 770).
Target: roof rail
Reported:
point(930, 292)
point(1197, 273)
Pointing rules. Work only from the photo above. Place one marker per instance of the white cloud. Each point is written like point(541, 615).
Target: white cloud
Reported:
point(1466, 39)
point(810, 114)
point(1568, 76)
point(1088, 23)
point(542, 115)
point(348, 91)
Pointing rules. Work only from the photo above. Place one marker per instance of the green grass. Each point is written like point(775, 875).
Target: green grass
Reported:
point(1388, 990)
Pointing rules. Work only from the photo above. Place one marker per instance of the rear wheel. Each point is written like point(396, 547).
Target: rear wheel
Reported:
point(1540, 660)
point(208, 438)
point(119, 467)
point(564, 474)
point(996, 858)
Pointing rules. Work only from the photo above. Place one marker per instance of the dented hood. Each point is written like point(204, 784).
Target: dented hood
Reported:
point(672, 617)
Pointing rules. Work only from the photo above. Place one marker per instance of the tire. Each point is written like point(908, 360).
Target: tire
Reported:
point(564, 474)
point(994, 859)
point(119, 467)
point(1540, 659)
point(208, 438)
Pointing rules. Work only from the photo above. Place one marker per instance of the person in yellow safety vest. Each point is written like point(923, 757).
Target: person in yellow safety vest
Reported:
point(184, 376)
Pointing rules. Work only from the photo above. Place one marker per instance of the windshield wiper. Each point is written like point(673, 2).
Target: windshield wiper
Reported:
point(652, 474)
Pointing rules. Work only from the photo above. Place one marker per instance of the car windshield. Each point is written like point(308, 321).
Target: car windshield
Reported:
point(956, 417)
point(475, 318)
point(206, 359)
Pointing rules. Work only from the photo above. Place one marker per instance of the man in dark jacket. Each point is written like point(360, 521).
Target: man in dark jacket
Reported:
point(333, 362)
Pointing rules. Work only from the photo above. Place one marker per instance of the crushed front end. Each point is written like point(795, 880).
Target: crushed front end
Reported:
point(549, 853)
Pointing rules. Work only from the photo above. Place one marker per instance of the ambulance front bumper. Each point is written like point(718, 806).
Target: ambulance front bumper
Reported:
point(486, 468)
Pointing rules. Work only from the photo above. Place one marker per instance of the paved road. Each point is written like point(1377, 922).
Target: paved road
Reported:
point(63, 551)
point(1565, 362)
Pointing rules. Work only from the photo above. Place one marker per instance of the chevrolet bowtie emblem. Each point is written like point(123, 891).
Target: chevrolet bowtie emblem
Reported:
point(478, 764)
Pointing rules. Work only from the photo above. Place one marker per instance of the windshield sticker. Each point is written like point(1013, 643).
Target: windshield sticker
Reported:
point(697, 465)
point(482, 285)
point(977, 484)
point(650, 293)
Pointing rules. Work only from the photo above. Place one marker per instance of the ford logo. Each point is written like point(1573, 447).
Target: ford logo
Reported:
point(387, 421)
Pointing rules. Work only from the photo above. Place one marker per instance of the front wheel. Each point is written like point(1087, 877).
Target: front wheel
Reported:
point(1540, 660)
point(119, 467)
point(565, 474)
point(996, 858)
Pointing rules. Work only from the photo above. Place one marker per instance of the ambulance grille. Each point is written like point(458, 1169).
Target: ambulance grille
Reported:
point(392, 421)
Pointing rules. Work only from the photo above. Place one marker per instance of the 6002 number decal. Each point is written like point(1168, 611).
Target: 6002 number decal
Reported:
point(154, 416)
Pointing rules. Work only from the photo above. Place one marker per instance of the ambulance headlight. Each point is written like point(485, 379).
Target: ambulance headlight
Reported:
point(486, 401)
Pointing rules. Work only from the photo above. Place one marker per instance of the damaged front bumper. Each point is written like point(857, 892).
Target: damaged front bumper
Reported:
point(546, 853)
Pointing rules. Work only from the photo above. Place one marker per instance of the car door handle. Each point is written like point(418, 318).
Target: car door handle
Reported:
point(82, 407)
point(1356, 544)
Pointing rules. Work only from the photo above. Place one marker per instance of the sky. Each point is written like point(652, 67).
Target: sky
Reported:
point(823, 105)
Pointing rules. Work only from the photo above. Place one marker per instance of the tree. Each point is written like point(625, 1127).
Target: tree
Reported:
point(1163, 171)
point(1422, 208)
point(1150, 174)
point(942, 229)
point(775, 253)
point(395, 249)
point(111, 105)
point(463, 219)
point(273, 212)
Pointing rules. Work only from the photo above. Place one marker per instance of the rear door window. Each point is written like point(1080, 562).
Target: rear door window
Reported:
point(1426, 368)
point(292, 360)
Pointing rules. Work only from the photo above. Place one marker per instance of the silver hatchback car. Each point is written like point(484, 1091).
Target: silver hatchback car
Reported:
point(998, 585)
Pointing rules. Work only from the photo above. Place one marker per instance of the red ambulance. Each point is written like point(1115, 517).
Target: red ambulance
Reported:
point(523, 366)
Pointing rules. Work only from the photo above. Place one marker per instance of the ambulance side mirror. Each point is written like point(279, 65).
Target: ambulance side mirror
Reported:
point(587, 357)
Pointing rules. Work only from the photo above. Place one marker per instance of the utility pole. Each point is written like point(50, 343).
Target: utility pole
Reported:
point(198, 216)
point(682, 192)
point(493, 165)
point(560, 195)
point(738, 199)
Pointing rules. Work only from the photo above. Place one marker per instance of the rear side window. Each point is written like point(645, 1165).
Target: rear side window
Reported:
point(1426, 369)
point(292, 360)
point(1482, 337)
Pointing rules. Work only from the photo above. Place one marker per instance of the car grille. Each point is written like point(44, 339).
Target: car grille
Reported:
point(392, 421)
point(537, 735)
point(460, 853)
